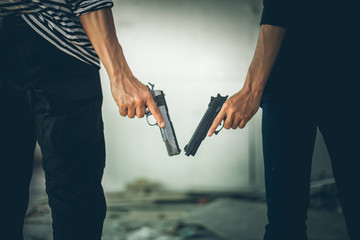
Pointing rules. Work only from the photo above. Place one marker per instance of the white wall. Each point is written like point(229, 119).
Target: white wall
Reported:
point(191, 50)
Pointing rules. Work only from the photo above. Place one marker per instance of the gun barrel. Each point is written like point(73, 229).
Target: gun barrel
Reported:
point(205, 124)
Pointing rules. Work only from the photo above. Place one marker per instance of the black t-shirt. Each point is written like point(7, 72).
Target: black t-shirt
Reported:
point(318, 53)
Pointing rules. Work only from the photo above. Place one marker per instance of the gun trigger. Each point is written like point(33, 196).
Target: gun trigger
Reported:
point(147, 114)
point(217, 131)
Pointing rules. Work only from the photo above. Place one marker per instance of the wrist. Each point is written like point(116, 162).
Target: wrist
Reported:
point(117, 73)
point(255, 92)
point(116, 65)
point(254, 84)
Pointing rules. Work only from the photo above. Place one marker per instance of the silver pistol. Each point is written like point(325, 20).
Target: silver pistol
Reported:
point(168, 132)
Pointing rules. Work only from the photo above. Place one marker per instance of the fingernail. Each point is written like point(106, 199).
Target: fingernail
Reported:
point(209, 134)
point(162, 124)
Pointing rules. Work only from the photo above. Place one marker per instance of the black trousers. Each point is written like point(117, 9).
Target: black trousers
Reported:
point(289, 133)
point(55, 99)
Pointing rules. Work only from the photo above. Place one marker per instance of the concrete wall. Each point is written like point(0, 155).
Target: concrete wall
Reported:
point(191, 50)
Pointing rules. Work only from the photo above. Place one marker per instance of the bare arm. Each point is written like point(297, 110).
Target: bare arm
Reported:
point(129, 93)
point(243, 105)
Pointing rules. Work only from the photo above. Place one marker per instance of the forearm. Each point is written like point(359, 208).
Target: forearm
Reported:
point(242, 106)
point(267, 49)
point(131, 96)
point(100, 29)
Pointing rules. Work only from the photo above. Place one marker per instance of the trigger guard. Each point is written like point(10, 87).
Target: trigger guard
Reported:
point(217, 131)
point(148, 113)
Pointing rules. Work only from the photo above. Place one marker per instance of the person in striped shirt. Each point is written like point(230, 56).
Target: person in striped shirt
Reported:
point(50, 93)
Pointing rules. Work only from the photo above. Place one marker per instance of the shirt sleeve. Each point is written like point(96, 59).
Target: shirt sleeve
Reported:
point(276, 12)
point(81, 7)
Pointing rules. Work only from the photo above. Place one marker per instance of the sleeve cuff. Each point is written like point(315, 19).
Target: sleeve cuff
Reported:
point(92, 5)
point(276, 14)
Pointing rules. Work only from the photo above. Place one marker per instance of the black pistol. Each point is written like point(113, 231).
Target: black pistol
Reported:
point(167, 133)
point(205, 124)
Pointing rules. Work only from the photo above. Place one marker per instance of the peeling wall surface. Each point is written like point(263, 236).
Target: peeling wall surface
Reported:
point(191, 50)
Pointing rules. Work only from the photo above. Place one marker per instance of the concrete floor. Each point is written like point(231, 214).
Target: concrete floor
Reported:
point(175, 216)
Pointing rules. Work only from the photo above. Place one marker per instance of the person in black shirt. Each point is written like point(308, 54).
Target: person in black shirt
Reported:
point(303, 75)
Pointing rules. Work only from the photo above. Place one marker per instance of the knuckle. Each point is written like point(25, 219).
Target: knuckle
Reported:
point(232, 109)
point(226, 105)
point(138, 101)
point(238, 115)
point(216, 122)
point(122, 113)
point(131, 103)
point(122, 106)
point(232, 115)
point(147, 95)
point(156, 110)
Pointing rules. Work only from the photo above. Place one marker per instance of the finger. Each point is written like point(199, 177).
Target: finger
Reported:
point(123, 111)
point(228, 121)
point(140, 111)
point(218, 119)
point(243, 123)
point(131, 112)
point(153, 108)
point(236, 123)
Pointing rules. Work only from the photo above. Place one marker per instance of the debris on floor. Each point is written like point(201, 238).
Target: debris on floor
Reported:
point(146, 232)
point(147, 212)
point(232, 219)
point(191, 230)
point(143, 186)
point(238, 219)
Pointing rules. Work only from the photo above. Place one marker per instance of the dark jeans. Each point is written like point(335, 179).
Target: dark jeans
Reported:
point(288, 141)
point(55, 99)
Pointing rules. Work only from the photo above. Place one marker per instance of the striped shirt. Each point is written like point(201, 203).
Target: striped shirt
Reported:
point(57, 21)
